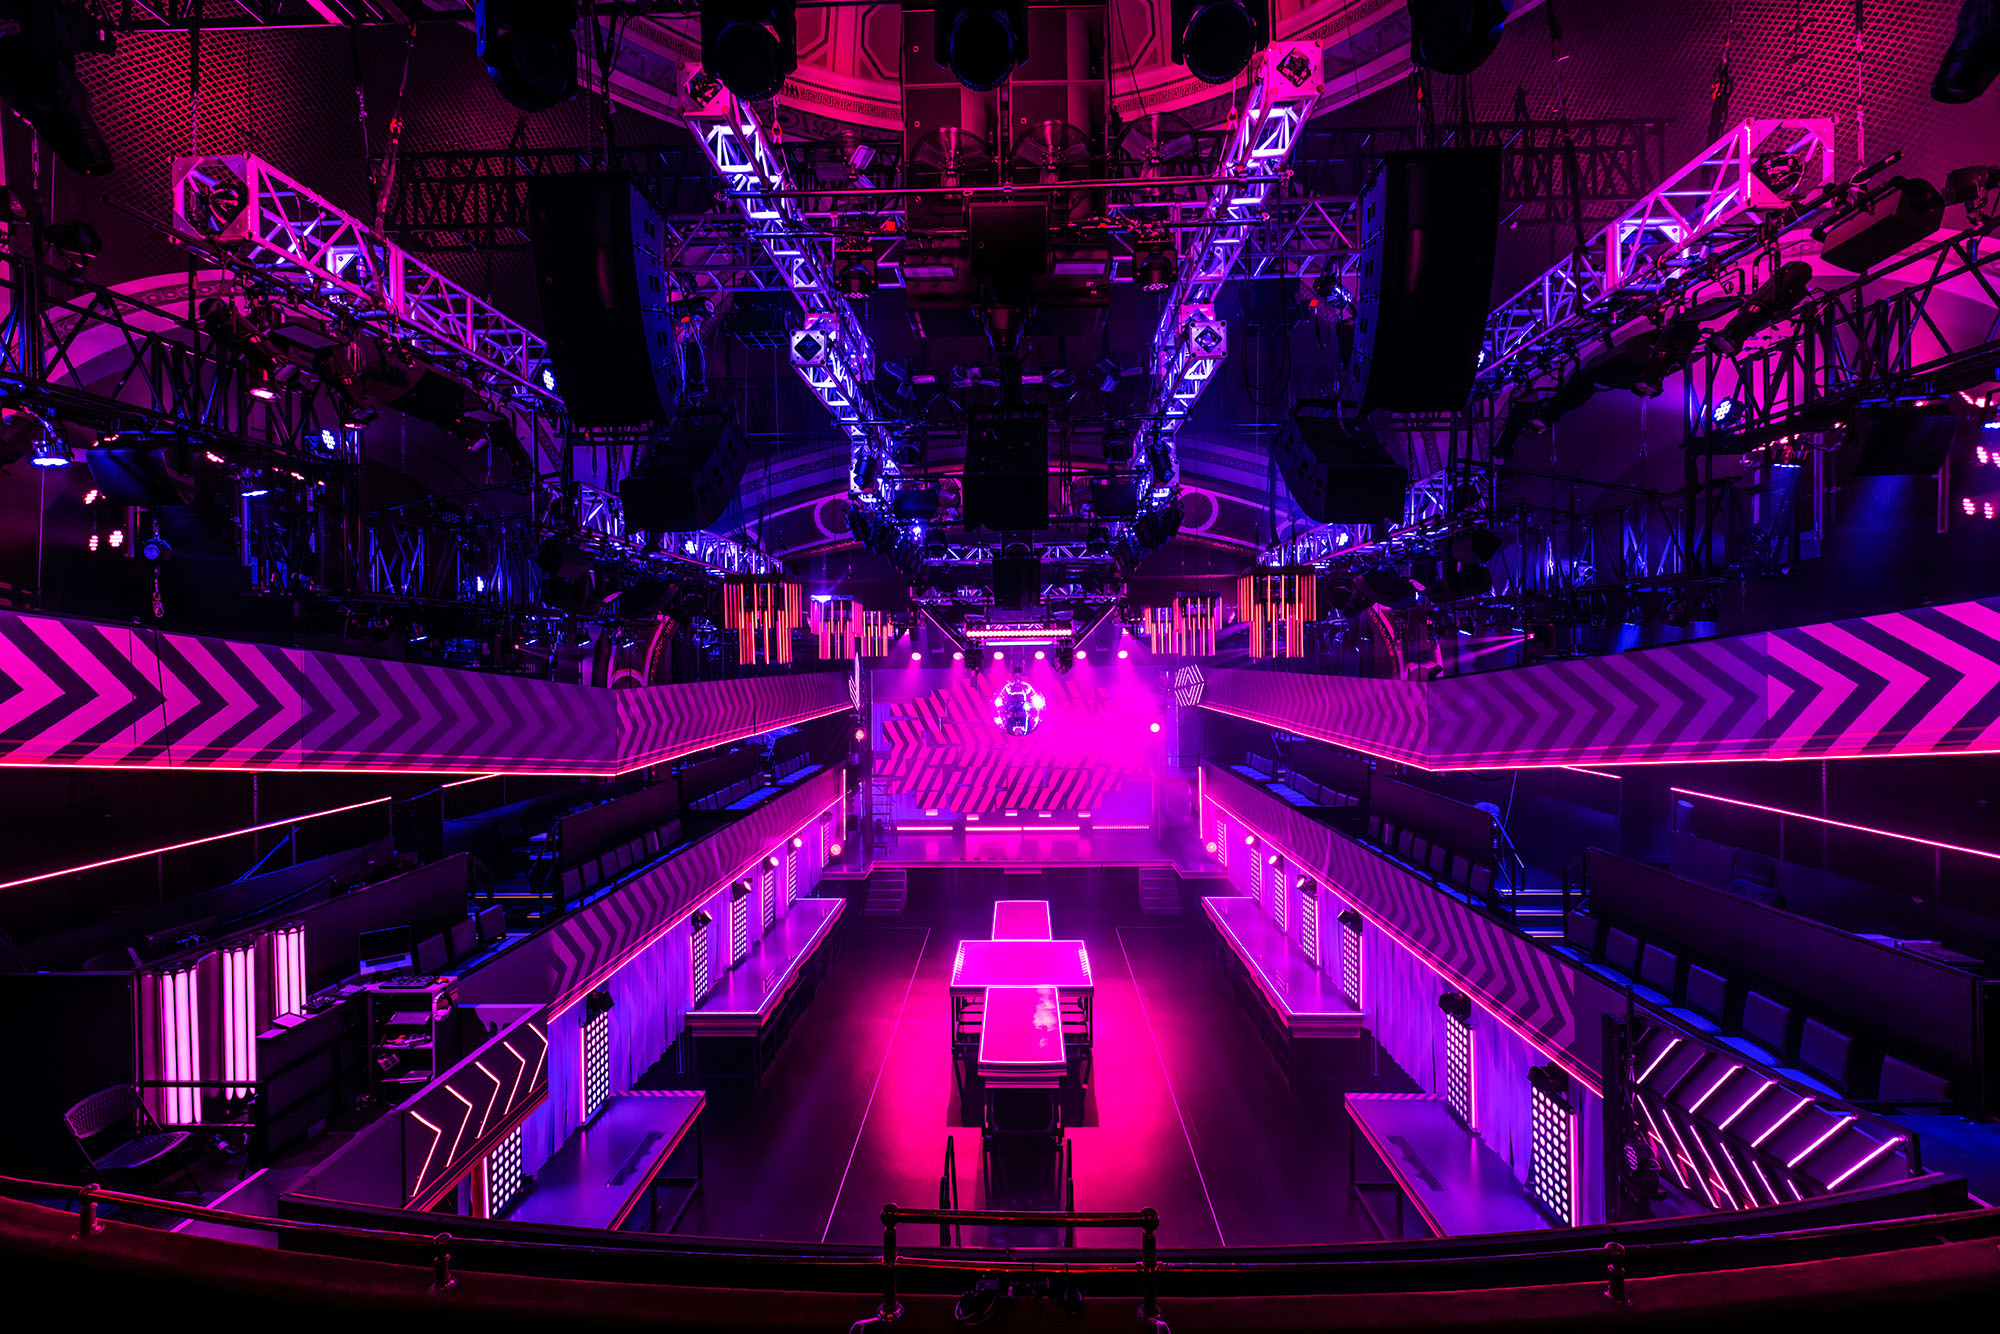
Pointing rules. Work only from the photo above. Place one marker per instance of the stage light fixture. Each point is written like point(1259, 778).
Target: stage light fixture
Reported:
point(1154, 727)
point(53, 451)
point(833, 849)
point(860, 734)
point(751, 45)
point(1455, 36)
point(1155, 268)
point(916, 657)
point(116, 538)
point(1123, 654)
point(38, 79)
point(76, 241)
point(1726, 413)
point(981, 42)
point(1039, 655)
point(1216, 38)
point(1776, 297)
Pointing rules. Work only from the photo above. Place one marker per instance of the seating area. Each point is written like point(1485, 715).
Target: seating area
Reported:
point(726, 782)
point(1297, 1006)
point(1293, 786)
point(1776, 1001)
point(1449, 841)
point(741, 1025)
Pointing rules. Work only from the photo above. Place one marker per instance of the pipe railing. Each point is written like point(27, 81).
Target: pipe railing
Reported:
point(1147, 1220)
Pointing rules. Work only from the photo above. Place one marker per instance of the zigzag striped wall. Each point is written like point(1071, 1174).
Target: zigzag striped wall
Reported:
point(78, 693)
point(1556, 1007)
point(576, 953)
point(1925, 681)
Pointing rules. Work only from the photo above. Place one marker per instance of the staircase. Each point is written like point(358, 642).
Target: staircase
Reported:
point(1537, 905)
point(1160, 891)
point(888, 892)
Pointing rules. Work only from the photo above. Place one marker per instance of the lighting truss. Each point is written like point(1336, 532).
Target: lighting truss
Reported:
point(1280, 97)
point(323, 259)
point(1759, 167)
point(743, 151)
point(601, 519)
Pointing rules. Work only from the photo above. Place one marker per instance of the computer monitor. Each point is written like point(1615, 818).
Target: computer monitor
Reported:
point(430, 955)
point(385, 951)
point(464, 938)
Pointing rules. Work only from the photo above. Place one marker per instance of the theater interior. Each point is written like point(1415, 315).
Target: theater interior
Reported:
point(1158, 664)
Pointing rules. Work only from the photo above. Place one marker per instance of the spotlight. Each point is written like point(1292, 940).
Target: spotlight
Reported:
point(1153, 727)
point(958, 655)
point(1726, 413)
point(1039, 655)
point(1210, 847)
point(1123, 654)
point(116, 538)
point(981, 41)
point(53, 452)
point(329, 439)
point(1154, 267)
point(1215, 38)
point(1776, 297)
point(833, 849)
point(1455, 36)
point(860, 734)
point(999, 655)
point(545, 376)
point(751, 45)
point(916, 657)
point(252, 487)
point(797, 843)
point(155, 548)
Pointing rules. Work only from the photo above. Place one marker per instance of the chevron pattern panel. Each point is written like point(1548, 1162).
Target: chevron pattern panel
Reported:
point(658, 722)
point(1553, 1005)
point(77, 693)
point(1925, 681)
point(565, 961)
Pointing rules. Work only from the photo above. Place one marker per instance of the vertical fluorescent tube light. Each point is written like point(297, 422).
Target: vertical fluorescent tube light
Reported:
point(239, 1017)
point(176, 1035)
point(288, 969)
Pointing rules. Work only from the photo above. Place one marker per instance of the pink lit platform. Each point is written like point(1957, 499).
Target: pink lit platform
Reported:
point(1021, 919)
point(1458, 1186)
point(1296, 1004)
point(983, 967)
point(618, 1162)
point(1022, 1060)
point(745, 1020)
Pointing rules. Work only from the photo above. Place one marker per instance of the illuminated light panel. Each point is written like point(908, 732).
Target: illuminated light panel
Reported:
point(739, 924)
point(287, 945)
point(177, 1039)
point(1551, 1154)
point(596, 1063)
point(1458, 1067)
point(503, 1175)
point(238, 966)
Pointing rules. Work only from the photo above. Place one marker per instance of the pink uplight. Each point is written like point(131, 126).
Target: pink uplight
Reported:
point(1122, 654)
point(999, 655)
point(916, 657)
point(958, 655)
point(1039, 655)
point(1154, 727)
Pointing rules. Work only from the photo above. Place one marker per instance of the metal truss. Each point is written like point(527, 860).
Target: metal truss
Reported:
point(1730, 190)
point(1544, 165)
point(757, 181)
point(477, 199)
point(1851, 347)
point(87, 353)
point(1273, 115)
point(292, 242)
point(601, 524)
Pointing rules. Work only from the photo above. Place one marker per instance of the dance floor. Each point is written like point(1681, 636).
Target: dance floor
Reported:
point(1184, 1112)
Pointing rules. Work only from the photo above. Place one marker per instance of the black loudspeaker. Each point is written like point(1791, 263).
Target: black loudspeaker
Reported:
point(1905, 442)
point(687, 479)
point(529, 48)
point(605, 302)
point(1336, 469)
point(1428, 228)
point(1007, 468)
point(1017, 580)
point(1114, 499)
point(1890, 219)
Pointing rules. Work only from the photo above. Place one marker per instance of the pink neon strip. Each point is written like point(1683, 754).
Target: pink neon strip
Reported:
point(1497, 1010)
point(1712, 1088)
point(1755, 1094)
point(191, 843)
point(1780, 1123)
point(1812, 1148)
point(1866, 1159)
point(1820, 819)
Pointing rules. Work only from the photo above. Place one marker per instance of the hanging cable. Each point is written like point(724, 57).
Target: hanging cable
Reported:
point(385, 177)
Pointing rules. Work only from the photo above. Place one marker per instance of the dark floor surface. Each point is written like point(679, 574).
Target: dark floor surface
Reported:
point(1185, 1111)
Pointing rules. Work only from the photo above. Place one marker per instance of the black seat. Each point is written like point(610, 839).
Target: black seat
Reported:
point(1440, 860)
point(122, 1142)
point(1659, 970)
point(1904, 1083)
point(1580, 933)
point(492, 923)
point(1621, 951)
point(1767, 1023)
point(1461, 868)
point(1707, 993)
point(1825, 1053)
point(1480, 881)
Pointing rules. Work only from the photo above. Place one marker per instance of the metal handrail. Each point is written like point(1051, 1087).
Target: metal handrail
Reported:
point(1147, 1220)
point(948, 1190)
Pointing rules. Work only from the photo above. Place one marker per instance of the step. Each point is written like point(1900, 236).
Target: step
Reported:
point(1160, 891)
point(888, 893)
